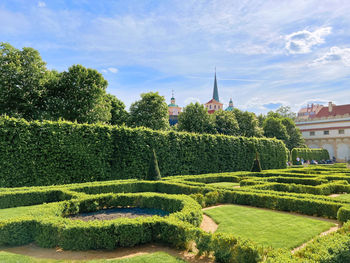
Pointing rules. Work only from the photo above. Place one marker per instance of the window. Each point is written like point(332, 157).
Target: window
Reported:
point(312, 133)
point(326, 132)
point(341, 131)
point(214, 106)
point(210, 107)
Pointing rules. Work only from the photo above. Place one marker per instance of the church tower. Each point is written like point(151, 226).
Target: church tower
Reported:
point(230, 106)
point(214, 104)
point(174, 110)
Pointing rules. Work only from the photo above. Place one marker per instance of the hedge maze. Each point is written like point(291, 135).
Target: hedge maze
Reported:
point(302, 190)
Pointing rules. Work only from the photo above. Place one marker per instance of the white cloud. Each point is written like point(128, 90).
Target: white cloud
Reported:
point(334, 55)
point(41, 4)
point(113, 70)
point(191, 100)
point(110, 70)
point(302, 41)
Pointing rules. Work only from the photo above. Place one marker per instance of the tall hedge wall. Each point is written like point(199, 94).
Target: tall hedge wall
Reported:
point(46, 153)
point(309, 154)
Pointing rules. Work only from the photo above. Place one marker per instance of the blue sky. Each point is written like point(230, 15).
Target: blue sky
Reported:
point(266, 53)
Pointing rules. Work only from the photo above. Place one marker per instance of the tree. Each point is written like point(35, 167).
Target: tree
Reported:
point(151, 111)
point(274, 128)
point(119, 115)
point(285, 111)
point(225, 122)
point(248, 123)
point(195, 118)
point(296, 139)
point(79, 94)
point(153, 171)
point(23, 75)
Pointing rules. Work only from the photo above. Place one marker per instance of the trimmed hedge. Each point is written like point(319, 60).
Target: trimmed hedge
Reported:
point(309, 154)
point(47, 153)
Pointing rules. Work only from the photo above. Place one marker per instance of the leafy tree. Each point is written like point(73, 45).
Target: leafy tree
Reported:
point(261, 118)
point(195, 118)
point(23, 75)
point(225, 122)
point(285, 111)
point(273, 127)
point(151, 111)
point(119, 115)
point(153, 171)
point(248, 123)
point(79, 94)
point(296, 139)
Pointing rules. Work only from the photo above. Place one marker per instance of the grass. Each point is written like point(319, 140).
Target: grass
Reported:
point(160, 257)
point(270, 228)
point(14, 212)
point(224, 184)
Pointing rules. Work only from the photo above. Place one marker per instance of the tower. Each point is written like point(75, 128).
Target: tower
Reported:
point(174, 110)
point(214, 104)
point(230, 106)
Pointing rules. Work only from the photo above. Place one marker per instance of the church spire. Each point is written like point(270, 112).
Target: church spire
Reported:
point(215, 92)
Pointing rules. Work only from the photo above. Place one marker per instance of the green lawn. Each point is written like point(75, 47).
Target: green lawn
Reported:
point(160, 257)
point(344, 197)
point(270, 228)
point(224, 184)
point(15, 212)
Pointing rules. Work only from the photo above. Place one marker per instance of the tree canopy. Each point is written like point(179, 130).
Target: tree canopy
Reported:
point(248, 123)
point(195, 118)
point(29, 90)
point(23, 75)
point(150, 111)
point(225, 122)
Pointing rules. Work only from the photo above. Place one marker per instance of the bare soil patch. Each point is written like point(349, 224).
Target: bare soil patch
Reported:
point(109, 214)
point(208, 224)
point(59, 254)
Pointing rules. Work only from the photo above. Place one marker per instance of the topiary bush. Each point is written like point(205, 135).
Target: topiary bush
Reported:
point(153, 171)
point(256, 164)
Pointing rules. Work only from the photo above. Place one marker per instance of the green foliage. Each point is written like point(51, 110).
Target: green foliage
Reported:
point(295, 138)
point(23, 75)
point(28, 90)
point(286, 112)
point(46, 153)
point(274, 128)
point(309, 154)
point(79, 95)
point(151, 112)
point(225, 122)
point(119, 116)
point(195, 118)
point(248, 123)
point(153, 171)
point(256, 167)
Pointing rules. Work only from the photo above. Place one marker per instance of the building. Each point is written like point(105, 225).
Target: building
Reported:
point(230, 106)
point(309, 112)
point(174, 110)
point(214, 104)
point(328, 128)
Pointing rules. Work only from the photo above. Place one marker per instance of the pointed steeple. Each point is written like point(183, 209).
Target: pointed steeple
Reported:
point(215, 92)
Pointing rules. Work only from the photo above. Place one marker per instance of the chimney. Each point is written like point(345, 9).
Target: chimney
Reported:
point(330, 106)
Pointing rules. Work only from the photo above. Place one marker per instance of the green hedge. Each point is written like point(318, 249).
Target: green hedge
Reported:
point(47, 153)
point(309, 154)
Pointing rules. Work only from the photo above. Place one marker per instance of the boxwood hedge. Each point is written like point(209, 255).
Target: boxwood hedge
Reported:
point(309, 154)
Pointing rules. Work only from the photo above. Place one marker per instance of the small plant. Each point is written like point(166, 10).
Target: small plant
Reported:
point(153, 172)
point(256, 164)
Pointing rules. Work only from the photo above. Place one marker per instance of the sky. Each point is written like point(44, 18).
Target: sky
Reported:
point(266, 53)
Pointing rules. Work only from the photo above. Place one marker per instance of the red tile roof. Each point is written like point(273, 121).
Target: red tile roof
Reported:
point(214, 101)
point(336, 110)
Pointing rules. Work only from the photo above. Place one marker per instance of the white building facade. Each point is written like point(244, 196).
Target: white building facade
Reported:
point(329, 130)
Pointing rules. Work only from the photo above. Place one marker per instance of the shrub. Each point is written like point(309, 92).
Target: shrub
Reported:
point(256, 164)
point(309, 154)
point(47, 153)
point(153, 171)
